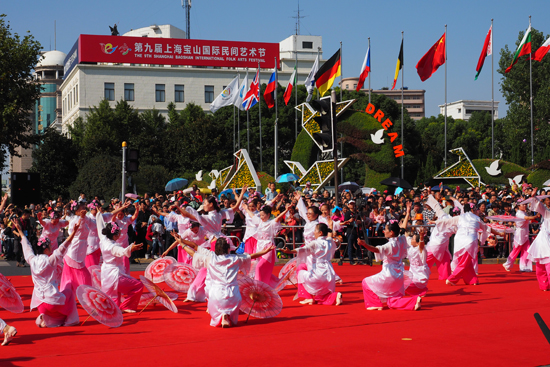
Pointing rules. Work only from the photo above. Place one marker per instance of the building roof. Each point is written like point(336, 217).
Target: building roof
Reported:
point(52, 58)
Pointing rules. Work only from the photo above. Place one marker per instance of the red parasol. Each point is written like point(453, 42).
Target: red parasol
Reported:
point(504, 218)
point(179, 276)
point(501, 228)
point(259, 299)
point(290, 267)
point(5, 280)
point(99, 306)
point(160, 295)
point(95, 272)
point(531, 199)
point(251, 271)
point(146, 298)
point(9, 298)
point(155, 271)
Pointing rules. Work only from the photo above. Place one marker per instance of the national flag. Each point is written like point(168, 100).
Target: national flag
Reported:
point(242, 92)
point(290, 86)
point(253, 95)
point(270, 92)
point(524, 48)
point(227, 97)
point(542, 51)
point(365, 69)
point(432, 60)
point(324, 78)
point(310, 80)
point(398, 66)
point(486, 51)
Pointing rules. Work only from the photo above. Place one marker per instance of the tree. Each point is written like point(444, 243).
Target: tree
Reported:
point(54, 160)
point(101, 177)
point(18, 91)
point(515, 89)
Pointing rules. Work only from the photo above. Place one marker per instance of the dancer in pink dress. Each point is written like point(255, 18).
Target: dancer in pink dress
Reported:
point(465, 244)
point(388, 285)
point(212, 224)
point(249, 239)
point(521, 242)
point(93, 252)
point(416, 278)
point(224, 297)
point(195, 234)
point(437, 249)
point(51, 226)
point(57, 308)
point(75, 272)
point(123, 221)
point(539, 251)
point(316, 276)
point(114, 280)
point(265, 232)
point(8, 331)
point(310, 215)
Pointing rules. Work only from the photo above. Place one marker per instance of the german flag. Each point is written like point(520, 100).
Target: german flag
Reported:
point(324, 78)
point(398, 66)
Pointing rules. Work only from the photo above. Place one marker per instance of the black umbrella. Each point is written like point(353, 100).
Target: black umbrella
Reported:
point(351, 186)
point(396, 181)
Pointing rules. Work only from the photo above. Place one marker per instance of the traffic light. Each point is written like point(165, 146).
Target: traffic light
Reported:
point(132, 160)
point(326, 121)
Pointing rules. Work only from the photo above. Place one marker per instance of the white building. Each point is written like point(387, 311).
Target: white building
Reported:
point(462, 110)
point(147, 86)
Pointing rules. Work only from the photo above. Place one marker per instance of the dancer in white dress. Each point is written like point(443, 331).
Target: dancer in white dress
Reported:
point(521, 242)
point(539, 252)
point(51, 226)
point(224, 297)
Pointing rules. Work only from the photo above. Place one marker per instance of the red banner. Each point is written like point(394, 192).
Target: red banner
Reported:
point(176, 51)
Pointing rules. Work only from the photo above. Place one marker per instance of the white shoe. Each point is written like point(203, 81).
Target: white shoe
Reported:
point(506, 267)
point(375, 308)
point(129, 311)
point(448, 282)
point(417, 306)
point(339, 299)
point(156, 257)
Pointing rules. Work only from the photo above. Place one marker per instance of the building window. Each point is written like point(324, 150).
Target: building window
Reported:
point(178, 93)
point(110, 91)
point(355, 86)
point(460, 110)
point(208, 93)
point(160, 93)
point(128, 91)
point(76, 93)
point(307, 44)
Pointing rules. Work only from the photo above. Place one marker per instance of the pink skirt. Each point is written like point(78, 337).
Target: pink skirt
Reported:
point(71, 278)
point(93, 258)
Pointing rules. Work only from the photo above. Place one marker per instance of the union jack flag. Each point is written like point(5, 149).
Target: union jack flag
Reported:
point(253, 95)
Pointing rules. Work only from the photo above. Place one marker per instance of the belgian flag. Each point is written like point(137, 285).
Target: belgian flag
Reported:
point(398, 66)
point(324, 78)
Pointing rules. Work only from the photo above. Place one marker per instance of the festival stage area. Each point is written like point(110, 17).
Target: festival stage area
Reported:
point(487, 325)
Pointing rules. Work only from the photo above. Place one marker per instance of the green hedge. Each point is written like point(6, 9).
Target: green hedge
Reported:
point(305, 150)
point(504, 166)
point(538, 177)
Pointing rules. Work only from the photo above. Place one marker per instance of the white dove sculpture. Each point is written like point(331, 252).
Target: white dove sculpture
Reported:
point(493, 169)
point(215, 173)
point(378, 137)
point(198, 176)
point(516, 180)
point(212, 185)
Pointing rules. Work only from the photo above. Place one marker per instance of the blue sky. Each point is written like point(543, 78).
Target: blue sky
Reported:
point(351, 22)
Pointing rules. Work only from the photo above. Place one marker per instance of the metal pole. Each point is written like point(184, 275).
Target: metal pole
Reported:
point(234, 128)
point(334, 145)
point(123, 191)
point(531, 102)
point(296, 86)
point(260, 116)
point(492, 97)
point(239, 119)
point(402, 101)
point(369, 72)
point(445, 95)
point(248, 131)
point(276, 120)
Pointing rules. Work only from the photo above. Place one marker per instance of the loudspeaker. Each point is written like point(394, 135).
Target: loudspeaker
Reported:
point(25, 188)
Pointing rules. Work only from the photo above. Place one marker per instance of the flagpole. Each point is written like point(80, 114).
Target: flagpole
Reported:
point(239, 119)
point(260, 115)
point(234, 128)
point(492, 96)
point(276, 119)
point(531, 100)
point(445, 95)
point(315, 84)
point(369, 71)
point(341, 85)
point(247, 123)
point(402, 92)
point(296, 92)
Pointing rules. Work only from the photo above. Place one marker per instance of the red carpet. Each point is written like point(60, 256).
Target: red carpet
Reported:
point(487, 325)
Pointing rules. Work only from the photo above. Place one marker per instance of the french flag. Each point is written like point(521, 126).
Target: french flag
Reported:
point(253, 95)
point(365, 69)
point(542, 51)
point(271, 90)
